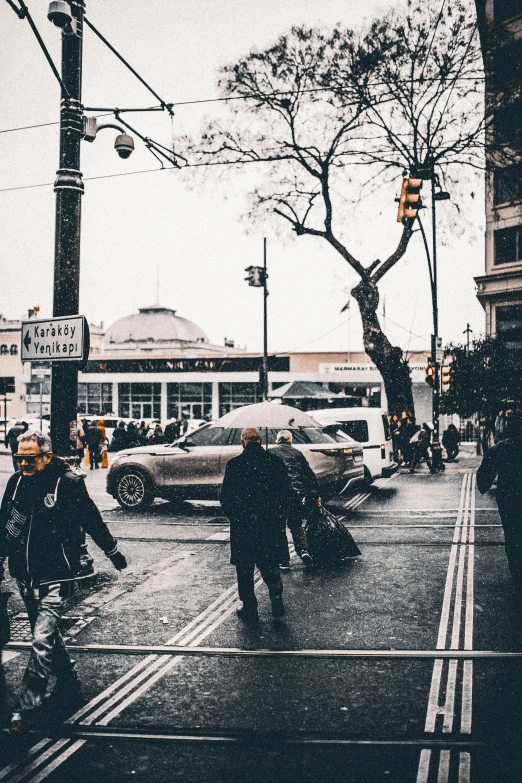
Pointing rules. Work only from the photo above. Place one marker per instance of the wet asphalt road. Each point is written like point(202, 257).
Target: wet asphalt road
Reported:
point(432, 577)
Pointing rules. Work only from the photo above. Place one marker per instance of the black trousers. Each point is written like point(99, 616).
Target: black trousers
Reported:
point(269, 568)
point(511, 518)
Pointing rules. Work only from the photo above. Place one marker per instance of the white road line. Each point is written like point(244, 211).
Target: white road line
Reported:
point(210, 617)
point(467, 693)
point(444, 766)
point(424, 766)
point(465, 767)
point(458, 589)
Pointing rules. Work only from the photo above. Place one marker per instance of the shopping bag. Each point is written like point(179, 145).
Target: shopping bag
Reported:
point(104, 458)
point(5, 627)
point(329, 542)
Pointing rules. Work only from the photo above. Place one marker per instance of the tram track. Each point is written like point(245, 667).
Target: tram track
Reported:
point(452, 665)
point(455, 633)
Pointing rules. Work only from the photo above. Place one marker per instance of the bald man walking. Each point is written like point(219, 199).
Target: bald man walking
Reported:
point(254, 497)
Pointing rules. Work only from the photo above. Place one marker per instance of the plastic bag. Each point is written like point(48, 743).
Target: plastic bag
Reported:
point(329, 542)
point(5, 627)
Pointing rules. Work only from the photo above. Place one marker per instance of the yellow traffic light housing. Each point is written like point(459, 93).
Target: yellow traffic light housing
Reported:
point(409, 200)
point(447, 377)
point(430, 373)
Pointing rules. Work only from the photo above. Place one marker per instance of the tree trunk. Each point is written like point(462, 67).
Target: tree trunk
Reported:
point(388, 358)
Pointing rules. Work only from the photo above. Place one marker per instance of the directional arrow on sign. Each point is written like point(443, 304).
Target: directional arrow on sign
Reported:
point(27, 341)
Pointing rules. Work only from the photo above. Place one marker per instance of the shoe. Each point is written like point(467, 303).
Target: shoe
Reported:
point(18, 728)
point(278, 607)
point(411, 470)
point(306, 557)
point(248, 614)
point(285, 566)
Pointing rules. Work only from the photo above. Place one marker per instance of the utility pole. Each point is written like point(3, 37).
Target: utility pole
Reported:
point(467, 331)
point(258, 278)
point(265, 325)
point(69, 190)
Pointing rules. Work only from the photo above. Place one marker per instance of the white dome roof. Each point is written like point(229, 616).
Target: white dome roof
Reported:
point(154, 324)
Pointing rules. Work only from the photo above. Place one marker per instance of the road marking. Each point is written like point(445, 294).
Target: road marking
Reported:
point(458, 604)
point(153, 667)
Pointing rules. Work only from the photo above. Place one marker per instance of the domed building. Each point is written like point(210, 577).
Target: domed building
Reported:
point(157, 329)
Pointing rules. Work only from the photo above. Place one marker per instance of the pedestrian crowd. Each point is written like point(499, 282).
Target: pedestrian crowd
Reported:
point(412, 444)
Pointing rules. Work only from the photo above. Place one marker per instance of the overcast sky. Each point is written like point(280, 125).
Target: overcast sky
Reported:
point(136, 227)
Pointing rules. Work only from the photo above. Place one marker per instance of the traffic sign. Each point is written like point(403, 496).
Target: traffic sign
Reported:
point(64, 339)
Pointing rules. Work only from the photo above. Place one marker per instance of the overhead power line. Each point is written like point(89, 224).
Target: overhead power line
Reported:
point(164, 105)
point(23, 13)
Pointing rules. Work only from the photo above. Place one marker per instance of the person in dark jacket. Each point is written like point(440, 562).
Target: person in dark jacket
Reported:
point(504, 462)
point(120, 437)
point(11, 438)
point(132, 435)
point(421, 448)
point(43, 516)
point(450, 441)
point(304, 492)
point(94, 439)
point(254, 497)
point(157, 437)
point(172, 431)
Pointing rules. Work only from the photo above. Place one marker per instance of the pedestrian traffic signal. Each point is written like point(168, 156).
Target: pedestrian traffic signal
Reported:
point(409, 200)
point(430, 373)
point(447, 377)
point(256, 276)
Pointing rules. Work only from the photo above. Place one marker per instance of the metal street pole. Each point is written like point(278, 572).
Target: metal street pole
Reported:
point(265, 325)
point(69, 189)
point(436, 447)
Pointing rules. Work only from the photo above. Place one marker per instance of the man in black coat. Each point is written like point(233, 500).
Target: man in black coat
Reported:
point(304, 492)
point(504, 461)
point(94, 439)
point(44, 513)
point(254, 497)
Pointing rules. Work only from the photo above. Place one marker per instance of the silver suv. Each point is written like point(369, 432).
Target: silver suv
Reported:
point(193, 467)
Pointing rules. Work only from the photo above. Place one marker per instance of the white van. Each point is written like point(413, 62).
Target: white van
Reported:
point(368, 426)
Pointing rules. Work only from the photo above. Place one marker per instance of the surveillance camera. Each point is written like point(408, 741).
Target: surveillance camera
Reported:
point(124, 145)
point(59, 13)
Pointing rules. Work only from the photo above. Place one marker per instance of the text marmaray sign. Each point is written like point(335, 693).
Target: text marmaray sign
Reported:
point(55, 339)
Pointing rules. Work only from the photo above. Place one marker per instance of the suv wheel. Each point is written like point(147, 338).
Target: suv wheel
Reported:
point(134, 490)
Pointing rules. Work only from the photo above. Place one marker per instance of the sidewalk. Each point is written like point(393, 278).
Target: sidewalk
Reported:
point(467, 460)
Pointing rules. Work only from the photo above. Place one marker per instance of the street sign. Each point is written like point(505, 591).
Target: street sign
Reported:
point(64, 339)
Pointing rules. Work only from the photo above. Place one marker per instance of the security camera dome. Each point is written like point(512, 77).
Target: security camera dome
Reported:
point(59, 13)
point(124, 145)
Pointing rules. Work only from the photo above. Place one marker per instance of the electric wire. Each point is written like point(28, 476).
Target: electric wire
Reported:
point(23, 13)
point(163, 103)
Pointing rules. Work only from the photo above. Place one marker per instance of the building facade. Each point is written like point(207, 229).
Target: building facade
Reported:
point(499, 290)
point(156, 365)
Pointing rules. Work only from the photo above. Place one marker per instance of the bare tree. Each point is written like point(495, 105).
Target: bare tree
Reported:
point(313, 107)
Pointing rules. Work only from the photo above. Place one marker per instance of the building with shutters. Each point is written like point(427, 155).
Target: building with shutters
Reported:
point(499, 290)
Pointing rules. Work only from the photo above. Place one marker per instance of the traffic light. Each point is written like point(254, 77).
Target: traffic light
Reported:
point(256, 276)
point(409, 200)
point(447, 377)
point(430, 373)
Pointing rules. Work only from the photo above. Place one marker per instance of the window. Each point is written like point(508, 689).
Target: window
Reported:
point(507, 128)
point(189, 400)
point(139, 400)
point(509, 325)
point(208, 436)
point(301, 436)
point(508, 245)
point(358, 430)
point(94, 398)
point(508, 184)
point(234, 395)
point(507, 9)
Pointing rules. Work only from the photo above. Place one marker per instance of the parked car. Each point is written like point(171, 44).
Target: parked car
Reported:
point(368, 426)
point(194, 466)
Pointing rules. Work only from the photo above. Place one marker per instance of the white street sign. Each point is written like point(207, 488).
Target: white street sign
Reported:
point(55, 339)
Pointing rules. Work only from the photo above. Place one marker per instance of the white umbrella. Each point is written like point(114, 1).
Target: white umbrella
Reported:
point(268, 415)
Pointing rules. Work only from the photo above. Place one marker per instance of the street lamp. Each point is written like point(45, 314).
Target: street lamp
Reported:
point(69, 188)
